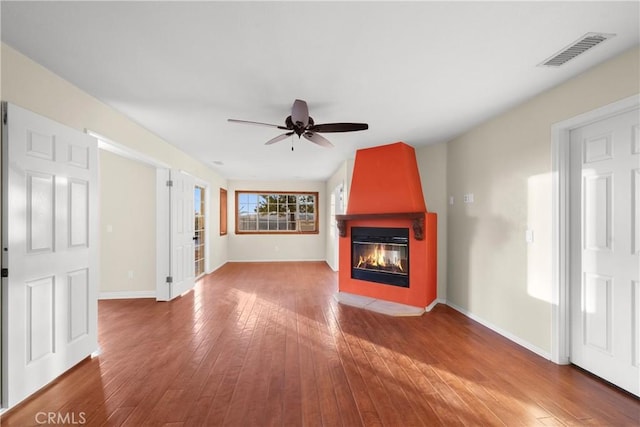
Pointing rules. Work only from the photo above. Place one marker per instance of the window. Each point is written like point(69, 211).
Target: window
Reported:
point(199, 228)
point(264, 212)
point(223, 212)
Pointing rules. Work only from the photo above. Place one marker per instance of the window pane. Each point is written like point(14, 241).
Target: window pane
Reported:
point(263, 222)
point(262, 201)
point(197, 202)
point(243, 208)
point(276, 212)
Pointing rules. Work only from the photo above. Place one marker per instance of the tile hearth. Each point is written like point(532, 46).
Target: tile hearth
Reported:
point(379, 306)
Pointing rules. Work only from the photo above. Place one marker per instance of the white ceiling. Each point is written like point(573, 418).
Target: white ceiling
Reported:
point(418, 72)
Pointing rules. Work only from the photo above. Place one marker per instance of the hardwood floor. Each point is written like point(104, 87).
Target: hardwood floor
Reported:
point(261, 344)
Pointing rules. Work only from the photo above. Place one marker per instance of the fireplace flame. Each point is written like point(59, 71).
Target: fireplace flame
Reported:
point(378, 258)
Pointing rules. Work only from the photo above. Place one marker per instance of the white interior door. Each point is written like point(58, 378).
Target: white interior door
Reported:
point(50, 241)
point(605, 254)
point(182, 233)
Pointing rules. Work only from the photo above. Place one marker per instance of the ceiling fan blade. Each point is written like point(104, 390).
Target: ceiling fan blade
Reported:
point(317, 139)
point(278, 138)
point(300, 112)
point(339, 127)
point(247, 122)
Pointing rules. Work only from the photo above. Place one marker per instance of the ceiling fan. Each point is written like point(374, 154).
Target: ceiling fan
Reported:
point(300, 123)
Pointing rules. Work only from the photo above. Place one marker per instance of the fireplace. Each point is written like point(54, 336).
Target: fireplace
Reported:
point(381, 255)
point(388, 239)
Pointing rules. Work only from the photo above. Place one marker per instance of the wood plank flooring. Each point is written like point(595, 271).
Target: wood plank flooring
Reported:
point(265, 344)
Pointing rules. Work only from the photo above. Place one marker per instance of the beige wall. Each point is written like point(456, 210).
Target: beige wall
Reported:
point(340, 176)
point(506, 163)
point(432, 163)
point(31, 86)
point(127, 267)
point(275, 247)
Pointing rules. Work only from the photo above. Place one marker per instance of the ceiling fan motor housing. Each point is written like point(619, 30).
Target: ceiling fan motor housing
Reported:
point(299, 128)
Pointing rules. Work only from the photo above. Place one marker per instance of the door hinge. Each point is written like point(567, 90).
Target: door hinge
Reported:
point(169, 183)
point(5, 272)
point(169, 279)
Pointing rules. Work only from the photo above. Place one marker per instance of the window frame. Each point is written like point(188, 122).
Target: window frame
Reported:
point(316, 205)
point(223, 212)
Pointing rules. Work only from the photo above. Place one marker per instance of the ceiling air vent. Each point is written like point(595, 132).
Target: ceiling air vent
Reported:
point(576, 48)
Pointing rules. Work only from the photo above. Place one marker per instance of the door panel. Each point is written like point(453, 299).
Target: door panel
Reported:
point(41, 321)
point(635, 226)
point(40, 212)
point(78, 282)
point(49, 232)
point(597, 311)
point(635, 342)
point(605, 261)
point(597, 212)
point(78, 212)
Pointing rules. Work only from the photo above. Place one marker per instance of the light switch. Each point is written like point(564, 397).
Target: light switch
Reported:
point(450, 200)
point(528, 236)
point(468, 198)
point(109, 228)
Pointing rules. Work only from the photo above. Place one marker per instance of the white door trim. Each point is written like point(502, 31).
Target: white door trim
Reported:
point(107, 144)
point(163, 235)
point(560, 137)
point(162, 206)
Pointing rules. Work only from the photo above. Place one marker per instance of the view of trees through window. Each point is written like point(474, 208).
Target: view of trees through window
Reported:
point(290, 212)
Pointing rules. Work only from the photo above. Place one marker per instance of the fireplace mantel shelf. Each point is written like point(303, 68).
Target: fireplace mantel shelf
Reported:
point(416, 217)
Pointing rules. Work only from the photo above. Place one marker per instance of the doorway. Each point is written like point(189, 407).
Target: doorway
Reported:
point(596, 298)
point(605, 249)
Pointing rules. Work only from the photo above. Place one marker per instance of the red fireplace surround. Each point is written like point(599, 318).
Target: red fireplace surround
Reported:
point(386, 192)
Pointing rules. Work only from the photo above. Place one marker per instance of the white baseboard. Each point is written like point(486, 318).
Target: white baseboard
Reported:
point(126, 294)
point(537, 350)
point(434, 303)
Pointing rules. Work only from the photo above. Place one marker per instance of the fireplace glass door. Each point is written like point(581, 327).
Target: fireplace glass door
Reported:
point(380, 255)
